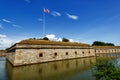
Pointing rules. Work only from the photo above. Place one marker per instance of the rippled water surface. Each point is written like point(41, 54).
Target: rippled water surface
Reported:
point(75, 69)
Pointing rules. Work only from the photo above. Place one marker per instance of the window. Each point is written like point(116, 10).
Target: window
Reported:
point(95, 50)
point(89, 52)
point(76, 52)
point(83, 52)
point(66, 53)
point(55, 54)
point(41, 55)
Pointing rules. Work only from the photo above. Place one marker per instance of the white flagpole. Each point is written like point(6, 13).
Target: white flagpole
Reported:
point(43, 22)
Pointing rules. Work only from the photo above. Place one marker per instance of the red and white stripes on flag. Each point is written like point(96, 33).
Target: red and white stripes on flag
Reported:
point(46, 10)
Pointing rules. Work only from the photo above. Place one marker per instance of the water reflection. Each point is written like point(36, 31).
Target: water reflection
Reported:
point(3, 72)
point(60, 70)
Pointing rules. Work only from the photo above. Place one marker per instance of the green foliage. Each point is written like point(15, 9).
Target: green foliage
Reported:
point(106, 70)
point(45, 38)
point(98, 43)
point(65, 40)
point(32, 39)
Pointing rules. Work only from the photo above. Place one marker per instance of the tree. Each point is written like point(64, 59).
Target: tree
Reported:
point(99, 43)
point(110, 44)
point(65, 40)
point(45, 38)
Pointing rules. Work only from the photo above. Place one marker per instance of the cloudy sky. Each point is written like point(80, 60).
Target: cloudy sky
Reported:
point(78, 20)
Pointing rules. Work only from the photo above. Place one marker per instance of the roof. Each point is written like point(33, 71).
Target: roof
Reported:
point(47, 42)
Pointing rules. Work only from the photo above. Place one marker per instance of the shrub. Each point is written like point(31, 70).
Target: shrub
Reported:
point(106, 70)
point(65, 40)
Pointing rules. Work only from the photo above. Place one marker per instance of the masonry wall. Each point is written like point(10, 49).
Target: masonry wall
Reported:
point(2, 53)
point(107, 50)
point(24, 55)
point(31, 56)
point(11, 57)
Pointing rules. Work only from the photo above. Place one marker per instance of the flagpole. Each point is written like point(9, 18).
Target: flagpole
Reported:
point(43, 23)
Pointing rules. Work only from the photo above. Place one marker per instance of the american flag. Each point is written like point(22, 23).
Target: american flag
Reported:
point(46, 10)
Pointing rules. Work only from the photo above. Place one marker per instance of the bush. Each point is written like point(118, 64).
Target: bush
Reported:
point(106, 70)
point(65, 40)
point(45, 38)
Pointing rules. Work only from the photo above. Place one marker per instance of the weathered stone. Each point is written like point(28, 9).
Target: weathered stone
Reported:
point(43, 53)
point(23, 54)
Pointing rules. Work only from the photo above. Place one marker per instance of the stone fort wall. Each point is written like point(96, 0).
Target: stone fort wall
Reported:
point(106, 49)
point(30, 54)
point(23, 54)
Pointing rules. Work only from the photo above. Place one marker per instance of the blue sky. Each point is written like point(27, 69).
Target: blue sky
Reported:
point(78, 20)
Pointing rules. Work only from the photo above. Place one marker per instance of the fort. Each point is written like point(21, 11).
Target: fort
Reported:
point(106, 49)
point(39, 51)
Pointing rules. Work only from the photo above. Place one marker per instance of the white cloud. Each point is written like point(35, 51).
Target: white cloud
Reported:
point(6, 41)
point(2, 36)
point(55, 13)
point(74, 17)
point(28, 1)
point(59, 39)
point(51, 37)
point(12, 23)
point(54, 38)
point(3, 41)
point(17, 26)
point(5, 20)
point(71, 40)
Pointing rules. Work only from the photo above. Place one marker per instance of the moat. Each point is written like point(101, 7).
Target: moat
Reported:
point(74, 69)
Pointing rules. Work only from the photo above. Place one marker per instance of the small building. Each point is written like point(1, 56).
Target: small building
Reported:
point(38, 51)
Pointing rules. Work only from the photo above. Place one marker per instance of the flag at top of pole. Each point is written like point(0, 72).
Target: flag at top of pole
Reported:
point(46, 10)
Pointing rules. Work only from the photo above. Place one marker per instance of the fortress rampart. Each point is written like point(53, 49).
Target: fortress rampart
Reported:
point(106, 49)
point(31, 52)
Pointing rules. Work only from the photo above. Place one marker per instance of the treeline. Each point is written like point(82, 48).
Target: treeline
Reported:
point(99, 43)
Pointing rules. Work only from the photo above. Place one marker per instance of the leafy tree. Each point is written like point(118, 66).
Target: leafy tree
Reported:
point(110, 44)
point(99, 43)
point(106, 70)
point(45, 38)
point(65, 40)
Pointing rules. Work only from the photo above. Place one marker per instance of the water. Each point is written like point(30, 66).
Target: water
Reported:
point(75, 69)
point(3, 70)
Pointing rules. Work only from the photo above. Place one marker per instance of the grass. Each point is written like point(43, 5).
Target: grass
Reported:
point(47, 42)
